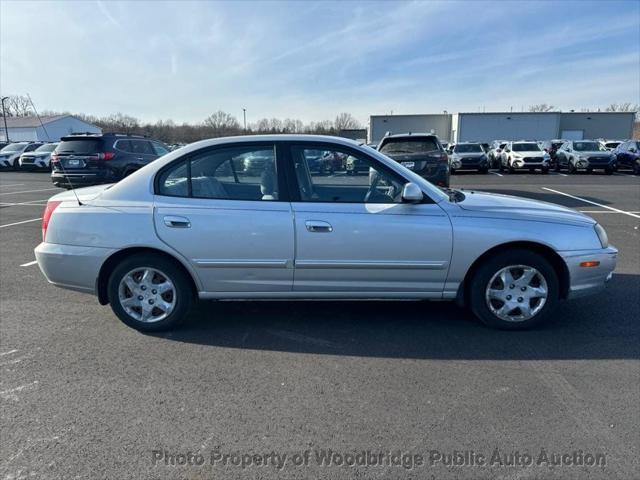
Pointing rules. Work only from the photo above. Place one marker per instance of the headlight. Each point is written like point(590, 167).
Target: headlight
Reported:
point(602, 235)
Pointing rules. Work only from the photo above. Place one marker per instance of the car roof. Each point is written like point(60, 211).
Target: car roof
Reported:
point(410, 134)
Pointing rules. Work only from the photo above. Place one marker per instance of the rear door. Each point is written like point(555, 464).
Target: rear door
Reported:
point(236, 229)
point(355, 236)
point(143, 152)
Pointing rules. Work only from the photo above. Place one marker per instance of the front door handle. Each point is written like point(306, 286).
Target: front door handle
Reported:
point(318, 226)
point(177, 222)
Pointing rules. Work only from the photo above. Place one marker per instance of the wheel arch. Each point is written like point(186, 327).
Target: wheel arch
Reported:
point(111, 262)
point(556, 261)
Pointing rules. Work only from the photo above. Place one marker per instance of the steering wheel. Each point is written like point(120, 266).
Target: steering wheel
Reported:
point(374, 196)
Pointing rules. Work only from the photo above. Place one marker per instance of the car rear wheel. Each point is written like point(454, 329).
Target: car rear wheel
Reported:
point(514, 290)
point(608, 171)
point(571, 168)
point(150, 293)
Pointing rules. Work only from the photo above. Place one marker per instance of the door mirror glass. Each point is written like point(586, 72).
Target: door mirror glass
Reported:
point(412, 193)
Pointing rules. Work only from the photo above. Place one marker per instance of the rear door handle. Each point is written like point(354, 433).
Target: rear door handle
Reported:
point(177, 222)
point(318, 226)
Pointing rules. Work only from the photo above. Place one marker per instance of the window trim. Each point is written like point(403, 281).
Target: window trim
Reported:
point(283, 190)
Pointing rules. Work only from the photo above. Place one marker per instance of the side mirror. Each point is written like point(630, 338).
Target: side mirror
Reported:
point(411, 193)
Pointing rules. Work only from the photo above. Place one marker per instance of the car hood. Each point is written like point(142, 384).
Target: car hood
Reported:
point(465, 155)
point(530, 154)
point(521, 208)
point(594, 153)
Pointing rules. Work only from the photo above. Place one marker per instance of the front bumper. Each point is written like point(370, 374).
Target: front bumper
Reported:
point(71, 267)
point(589, 280)
point(520, 163)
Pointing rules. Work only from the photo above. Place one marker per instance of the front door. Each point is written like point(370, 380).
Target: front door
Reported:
point(221, 209)
point(355, 236)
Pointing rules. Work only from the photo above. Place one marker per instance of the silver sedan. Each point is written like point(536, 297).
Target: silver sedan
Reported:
point(195, 224)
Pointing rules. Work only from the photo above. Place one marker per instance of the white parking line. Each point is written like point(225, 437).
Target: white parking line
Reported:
point(29, 191)
point(592, 203)
point(28, 264)
point(602, 211)
point(39, 203)
point(12, 185)
point(498, 174)
point(20, 223)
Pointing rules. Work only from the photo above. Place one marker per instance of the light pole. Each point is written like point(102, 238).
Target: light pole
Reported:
point(244, 117)
point(4, 116)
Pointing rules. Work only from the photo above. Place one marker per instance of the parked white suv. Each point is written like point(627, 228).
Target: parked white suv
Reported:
point(524, 155)
point(10, 154)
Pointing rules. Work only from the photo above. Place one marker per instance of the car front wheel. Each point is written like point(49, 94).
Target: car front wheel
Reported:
point(514, 290)
point(150, 293)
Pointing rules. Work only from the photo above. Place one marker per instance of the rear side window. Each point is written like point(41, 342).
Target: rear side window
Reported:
point(236, 173)
point(410, 145)
point(142, 147)
point(87, 146)
point(123, 145)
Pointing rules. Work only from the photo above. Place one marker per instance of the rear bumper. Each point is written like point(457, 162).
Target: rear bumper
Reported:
point(71, 267)
point(589, 280)
point(438, 176)
point(82, 179)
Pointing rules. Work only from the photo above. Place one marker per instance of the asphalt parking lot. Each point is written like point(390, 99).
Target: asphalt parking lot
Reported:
point(83, 396)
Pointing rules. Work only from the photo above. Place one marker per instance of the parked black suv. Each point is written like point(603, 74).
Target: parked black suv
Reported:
point(90, 159)
point(419, 152)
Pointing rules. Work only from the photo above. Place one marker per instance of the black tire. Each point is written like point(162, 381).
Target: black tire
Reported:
point(484, 170)
point(545, 170)
point(516, 256)
point(184, 294)
point(608, 171)
point(571, 168)
point(556, 168)
point(453, 171)
point(501, 167)
point(636, 168)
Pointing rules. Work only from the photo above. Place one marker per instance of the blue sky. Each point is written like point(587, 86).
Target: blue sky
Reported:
point(312, 60)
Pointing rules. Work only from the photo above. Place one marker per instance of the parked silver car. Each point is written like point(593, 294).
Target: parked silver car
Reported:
point(187, 226)
point(587, 155)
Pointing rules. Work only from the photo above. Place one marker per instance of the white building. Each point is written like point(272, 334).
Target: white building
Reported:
point(47, 129)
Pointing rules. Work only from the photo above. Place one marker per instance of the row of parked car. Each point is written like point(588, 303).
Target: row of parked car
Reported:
point(89, 159)
point(571, 155)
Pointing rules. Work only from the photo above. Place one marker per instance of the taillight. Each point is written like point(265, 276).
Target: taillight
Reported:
point(46, 216)
point(106, 156)
point(444, 158)
point(55, 158)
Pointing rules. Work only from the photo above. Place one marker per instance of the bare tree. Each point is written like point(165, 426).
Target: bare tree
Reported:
point(222, 123)
point(346, 121)
point(542, 107)
point(18, 106)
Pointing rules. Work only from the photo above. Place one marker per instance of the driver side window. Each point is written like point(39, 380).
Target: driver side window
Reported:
point(332, 175)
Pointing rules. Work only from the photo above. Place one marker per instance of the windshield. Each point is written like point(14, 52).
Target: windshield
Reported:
point(47, 147)
point(14, 147)
point(409, 145)
point(588, 147)
point(87, 146)
point(612, 144)
point(525, 147)
point(468, 148)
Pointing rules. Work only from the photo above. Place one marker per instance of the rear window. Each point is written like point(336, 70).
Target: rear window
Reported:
point(525, 147)
point(410, 145)
point(88, 146)
point(471, 148)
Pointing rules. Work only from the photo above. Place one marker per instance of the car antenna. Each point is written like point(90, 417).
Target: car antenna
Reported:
point(63, 170)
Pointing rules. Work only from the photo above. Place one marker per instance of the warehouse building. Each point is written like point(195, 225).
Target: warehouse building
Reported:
point(44, 129)
point(380, 125)
point(485, 127)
